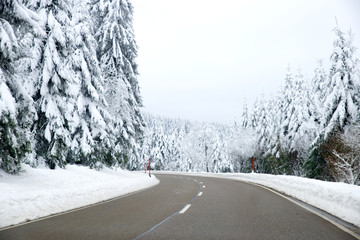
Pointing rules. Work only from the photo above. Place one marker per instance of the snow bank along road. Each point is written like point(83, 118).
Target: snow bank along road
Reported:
point(187, 207)
point(40, 192)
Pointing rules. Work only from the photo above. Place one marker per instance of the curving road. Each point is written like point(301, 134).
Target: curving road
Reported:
point(186, 207)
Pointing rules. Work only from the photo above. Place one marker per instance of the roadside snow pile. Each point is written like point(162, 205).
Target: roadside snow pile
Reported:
point(39, 192)
point(340, 199)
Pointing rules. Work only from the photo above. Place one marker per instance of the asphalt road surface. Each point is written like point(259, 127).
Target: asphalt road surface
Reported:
point(186, 207)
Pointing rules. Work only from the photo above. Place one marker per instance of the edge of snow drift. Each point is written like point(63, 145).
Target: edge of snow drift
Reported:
point(40, 192)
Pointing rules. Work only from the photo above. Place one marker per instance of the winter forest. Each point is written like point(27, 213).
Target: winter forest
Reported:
point(69, 95)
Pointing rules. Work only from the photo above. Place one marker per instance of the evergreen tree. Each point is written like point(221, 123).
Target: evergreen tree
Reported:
point(342, 101)
point(318, 92)
point(91, 141)
point(56, 98)
point(254, 118)
point(341, 108)
point(287, 109)
point(245, 115)
point(265, 162)
point(9, 146)
point(240, 146)
point(263, 125)
point(16, 110)
point(117, 51)
point(301, 127)
point(275, 126)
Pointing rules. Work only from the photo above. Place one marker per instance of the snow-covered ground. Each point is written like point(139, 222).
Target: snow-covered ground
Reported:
point(340, 199)
point(40, 192)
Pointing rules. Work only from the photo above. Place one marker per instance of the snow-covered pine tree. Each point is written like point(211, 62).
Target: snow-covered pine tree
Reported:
point(282, 126)
point(254, 118)
point(301, 128)
point(341, 107)
point(263, 125)
point(318, 93)
point(287, 109)
point(315, 163)
point(207, 141)
point(58, 89)
point(91, 140)
point(297, 118)
point(342, 101)
point(155, 144)
point(272, 110)
point(275, 126)
point(117, 51)
point(16, 106)
point(264, 128)
point(240, 146)
point(245, 115)
point(174, 143)
point(271, 159)
point(9, 147)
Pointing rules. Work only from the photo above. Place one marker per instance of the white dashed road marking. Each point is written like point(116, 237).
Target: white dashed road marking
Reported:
point(184, 209)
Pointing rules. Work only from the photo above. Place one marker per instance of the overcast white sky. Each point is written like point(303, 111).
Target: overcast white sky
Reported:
point(198, 59)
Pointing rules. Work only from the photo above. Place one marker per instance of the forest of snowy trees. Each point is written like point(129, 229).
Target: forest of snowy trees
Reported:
point(309, 128)
point(69, 94)
point(313, 128)
point(68, 83)
point(180, 145)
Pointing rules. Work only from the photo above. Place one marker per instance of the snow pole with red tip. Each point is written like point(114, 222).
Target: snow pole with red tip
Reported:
point(149, 168)
point(252, 171)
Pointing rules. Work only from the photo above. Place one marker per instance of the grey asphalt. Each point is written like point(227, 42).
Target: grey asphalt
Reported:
point(227, 209)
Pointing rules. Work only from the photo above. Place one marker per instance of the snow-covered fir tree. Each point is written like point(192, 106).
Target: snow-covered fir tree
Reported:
point(300, 127)
point(116, 52)
point(239, 157)
point(287, 109)
point(16, 106)
point(245, 115)
point(91, 140)
point(341, 109)
point(262, 125)
point(318, 92)
point(254, 118)
point(274, 146)
point(56, 98)
point(342, 101)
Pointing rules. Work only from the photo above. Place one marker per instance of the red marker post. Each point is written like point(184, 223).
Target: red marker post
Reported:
point(149, 168)
point(253, 165)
